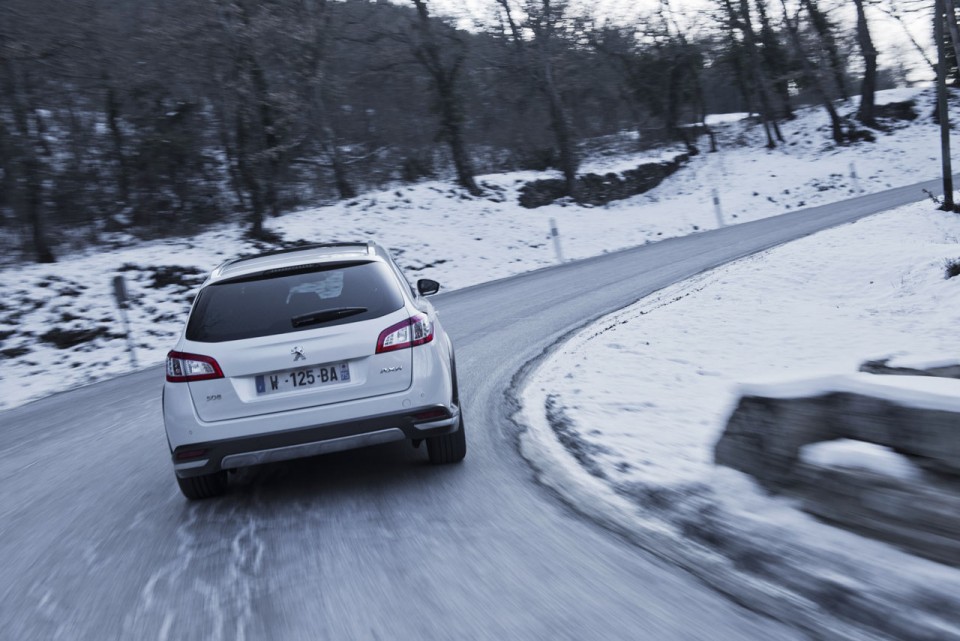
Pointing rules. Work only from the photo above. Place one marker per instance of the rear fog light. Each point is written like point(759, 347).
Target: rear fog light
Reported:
point(190, 454)
point(432, 415)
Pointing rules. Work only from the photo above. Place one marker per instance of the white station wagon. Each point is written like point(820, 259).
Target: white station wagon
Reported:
point(301, 352)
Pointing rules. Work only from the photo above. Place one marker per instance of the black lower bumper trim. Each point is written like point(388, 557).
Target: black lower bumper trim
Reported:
point(289, 440)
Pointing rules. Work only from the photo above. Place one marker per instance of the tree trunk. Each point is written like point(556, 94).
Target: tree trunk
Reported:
point(836, 126)
point(452, 126)
point(944, 113)
point(34, 205)
point(451, 109)
point(951, 17)
point(320, 114)
point(514, 29)
point(29, 167)
point(700, 102)
point(112, 109)
point(756, 68)
point(825, 31)
point(740, 74)
point(268, 128)
point(558, 115)
point(249, 178)
point(229, 154)
point(267, 173)
point(6, 161)
point(869, 87)
point(773, 59)
point(328, 142)
point(702, 113)
point(561, 129)
point(33, 178)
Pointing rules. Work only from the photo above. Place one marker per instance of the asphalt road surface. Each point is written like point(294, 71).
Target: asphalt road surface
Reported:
point(96, 541)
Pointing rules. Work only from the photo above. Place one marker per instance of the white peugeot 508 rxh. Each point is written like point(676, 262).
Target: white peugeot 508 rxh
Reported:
point(300, 352)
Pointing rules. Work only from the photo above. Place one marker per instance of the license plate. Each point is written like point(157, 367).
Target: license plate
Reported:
point(307, 377)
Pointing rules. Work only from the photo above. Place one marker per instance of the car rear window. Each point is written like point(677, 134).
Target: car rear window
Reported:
point(293, 300)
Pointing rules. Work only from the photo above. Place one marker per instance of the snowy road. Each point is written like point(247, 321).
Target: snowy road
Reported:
point(97, 542)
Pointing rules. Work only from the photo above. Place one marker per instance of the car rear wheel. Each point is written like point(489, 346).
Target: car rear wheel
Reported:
point(449, 448)
point(204, 486)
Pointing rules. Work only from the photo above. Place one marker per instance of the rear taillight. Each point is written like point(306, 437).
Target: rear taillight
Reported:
point(184, 368)
point(432, 415)
point(415, 330)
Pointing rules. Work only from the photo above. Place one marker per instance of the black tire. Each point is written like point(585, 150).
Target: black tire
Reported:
point(449, 448)
point(204, 486)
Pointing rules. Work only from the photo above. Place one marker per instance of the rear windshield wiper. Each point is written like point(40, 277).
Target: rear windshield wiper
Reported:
point(325, 316)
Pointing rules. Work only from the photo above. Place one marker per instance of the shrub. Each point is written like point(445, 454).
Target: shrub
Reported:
point(951, 267)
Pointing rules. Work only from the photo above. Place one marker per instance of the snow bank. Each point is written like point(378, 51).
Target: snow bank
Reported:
point(921, 392)
point(860, 455)
point(648, 391)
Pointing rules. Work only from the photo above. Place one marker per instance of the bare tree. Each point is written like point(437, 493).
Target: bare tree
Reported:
point(543, 23)
point(950, 17)
point(894, 9)
point(444, 74)
point(943, 112)
point(775, 60)
point(123, 116)
point(317, 32)
point(825, 29)
point(684, 87)
point(542, 20)
point(813, 75)
point(23, 142)
point(868, 87)
point(256, 127)
point(660, 78)
point(739, 19)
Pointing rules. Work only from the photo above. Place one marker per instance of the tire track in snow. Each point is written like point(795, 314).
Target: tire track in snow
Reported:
point(219, 566)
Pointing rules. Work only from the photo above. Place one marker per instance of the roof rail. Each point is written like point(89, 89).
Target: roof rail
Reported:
point(370, 247)
point(288, 250)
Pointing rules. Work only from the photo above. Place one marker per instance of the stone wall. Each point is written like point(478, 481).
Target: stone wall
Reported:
point(594, 189)
point(764, 436)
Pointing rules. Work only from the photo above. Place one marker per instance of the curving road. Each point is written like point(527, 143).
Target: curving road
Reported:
point(97, 543)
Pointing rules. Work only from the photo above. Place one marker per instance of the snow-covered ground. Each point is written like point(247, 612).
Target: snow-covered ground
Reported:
point(59, 327)
point(624, 416)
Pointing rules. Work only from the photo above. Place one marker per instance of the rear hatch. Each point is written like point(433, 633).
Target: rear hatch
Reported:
point(297, 338)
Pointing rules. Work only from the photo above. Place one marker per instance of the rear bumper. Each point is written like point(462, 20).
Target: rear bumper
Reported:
point(309, 441)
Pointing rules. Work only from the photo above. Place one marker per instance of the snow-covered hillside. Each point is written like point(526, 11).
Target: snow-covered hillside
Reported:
point(59, 326)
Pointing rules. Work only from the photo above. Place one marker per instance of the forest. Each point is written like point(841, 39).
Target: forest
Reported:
point(160, 117)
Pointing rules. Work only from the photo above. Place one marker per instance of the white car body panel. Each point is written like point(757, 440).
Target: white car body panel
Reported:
point(226, 422)
point(235, 396)
point(184, 425)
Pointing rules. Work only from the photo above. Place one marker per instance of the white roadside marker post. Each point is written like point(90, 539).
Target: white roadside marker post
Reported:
point(856, 180)
point(120, 294)
point(717, 208)
point(556, 239)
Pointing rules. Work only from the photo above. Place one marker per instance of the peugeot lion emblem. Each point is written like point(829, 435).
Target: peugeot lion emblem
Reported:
point(298, 354)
